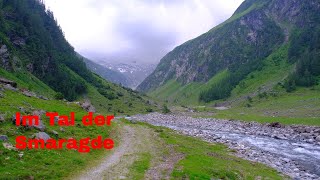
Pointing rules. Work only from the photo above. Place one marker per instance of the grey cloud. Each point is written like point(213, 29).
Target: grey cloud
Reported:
point(147, 40)
point(140, 30)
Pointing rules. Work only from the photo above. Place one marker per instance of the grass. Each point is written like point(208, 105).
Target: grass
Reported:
point(175, 92)
point(45, 164)
point(275, 69)
point(299, 107)
point(25, 80)
point(140, 166)
point(57, 164)
point(127, 103)
point(203, 160)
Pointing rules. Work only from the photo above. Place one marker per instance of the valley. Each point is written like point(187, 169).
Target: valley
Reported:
point(240, 101)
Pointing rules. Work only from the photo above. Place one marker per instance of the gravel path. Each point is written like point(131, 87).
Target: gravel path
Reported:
point(135, 141)
point(105, 169)
point(293, 150)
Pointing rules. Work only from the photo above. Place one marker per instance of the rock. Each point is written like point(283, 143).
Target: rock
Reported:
point(3, 49)
point(9, 87)
point(39, 112)
point(14, 119)
point(9, 146)
point(55, 133)
point(40, 127)
point(43, 97)
point(22, 109)
point(56, 119)
point(28, 93)
point(3, 138)
point(276, 125)
point(2, 119)
point(306, 135)
point(42, 135)
point(62, 130)
point(318, 138)
point(310, 141)
point(5, 57)
point(20, 155)
point(276, 136)
point(88, 106)
point(18, 41)
point(286, 160)
point(6, 82)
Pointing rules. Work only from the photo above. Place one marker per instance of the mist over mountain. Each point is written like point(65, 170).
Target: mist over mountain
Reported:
point(144, 31)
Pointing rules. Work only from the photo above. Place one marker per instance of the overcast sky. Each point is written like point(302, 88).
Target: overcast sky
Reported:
point(141, 30)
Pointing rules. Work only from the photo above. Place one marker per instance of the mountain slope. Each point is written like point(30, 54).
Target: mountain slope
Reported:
point(35, 54)
point(135, 72)
point(106, 73)
point(240, 46)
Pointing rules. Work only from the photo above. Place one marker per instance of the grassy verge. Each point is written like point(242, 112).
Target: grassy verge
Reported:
point(299, 107)
point(140, 166)
point(45, 164)
point(203, 160)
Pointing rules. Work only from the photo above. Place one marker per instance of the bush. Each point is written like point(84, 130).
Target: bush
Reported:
point(58, 96)
point(108, 94)
point(289, 85)
point(120, 94)
point(165, 109)
point(263, 95)
point(149, 110)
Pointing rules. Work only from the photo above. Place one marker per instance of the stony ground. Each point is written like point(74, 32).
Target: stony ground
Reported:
point(134, 142)
point(305, 138)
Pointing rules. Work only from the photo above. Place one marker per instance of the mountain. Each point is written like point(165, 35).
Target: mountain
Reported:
point(135, 72)
point(35, 54)
point(107, 73)
point(262, 36)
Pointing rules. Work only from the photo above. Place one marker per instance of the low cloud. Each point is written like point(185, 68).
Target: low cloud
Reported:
point(141, 30)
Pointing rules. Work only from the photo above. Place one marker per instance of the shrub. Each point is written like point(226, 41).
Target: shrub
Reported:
point(149, 110)
point(58, 96)
point(165, 109)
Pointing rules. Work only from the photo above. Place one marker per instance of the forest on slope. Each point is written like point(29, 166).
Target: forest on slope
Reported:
point(240, 46)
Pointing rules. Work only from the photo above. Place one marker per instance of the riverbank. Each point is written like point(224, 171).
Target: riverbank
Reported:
point(293, 150)
point(149, 152)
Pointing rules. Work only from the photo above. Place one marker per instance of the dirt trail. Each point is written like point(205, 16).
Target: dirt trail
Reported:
point(135, 141)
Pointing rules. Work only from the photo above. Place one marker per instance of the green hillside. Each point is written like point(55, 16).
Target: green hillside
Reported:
point(50, 77)
point(35, 54)
point(252, 52)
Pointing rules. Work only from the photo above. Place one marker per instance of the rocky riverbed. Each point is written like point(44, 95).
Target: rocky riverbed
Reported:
point(293, 150)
